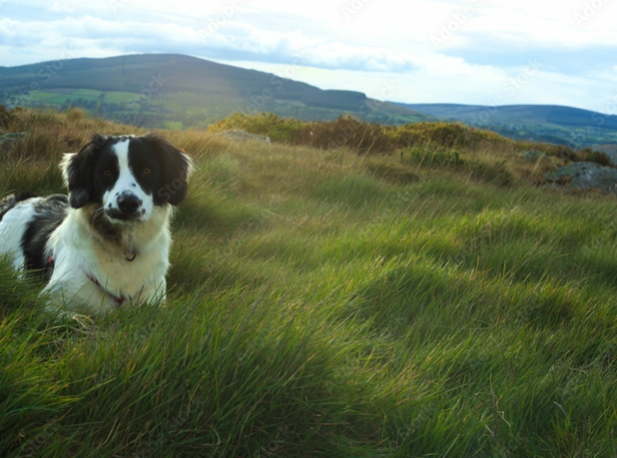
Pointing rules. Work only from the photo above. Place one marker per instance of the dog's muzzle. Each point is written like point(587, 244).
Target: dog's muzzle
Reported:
point(128, 207)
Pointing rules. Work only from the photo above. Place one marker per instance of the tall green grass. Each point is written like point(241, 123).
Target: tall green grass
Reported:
point(327, 304)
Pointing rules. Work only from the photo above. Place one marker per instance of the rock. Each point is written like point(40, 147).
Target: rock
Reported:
point(241, 136)
point(584, 175)
point(533, 156)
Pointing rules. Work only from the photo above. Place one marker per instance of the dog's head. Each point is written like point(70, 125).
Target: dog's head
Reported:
point(127, 176)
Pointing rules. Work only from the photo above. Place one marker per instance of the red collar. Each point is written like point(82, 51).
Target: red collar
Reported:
point(119, 300)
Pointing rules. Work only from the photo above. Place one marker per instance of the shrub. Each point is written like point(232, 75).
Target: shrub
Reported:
point(598, 157)
point(561, 151)
point(347, 132)
point(5, 117)
point(76, 114)
point(281, 130)
point(364, 138)
point(446, 135)
point(584, 155)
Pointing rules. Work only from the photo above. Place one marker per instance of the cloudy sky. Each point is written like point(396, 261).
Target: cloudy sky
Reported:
point(489, 52)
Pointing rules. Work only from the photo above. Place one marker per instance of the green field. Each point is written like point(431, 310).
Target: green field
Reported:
point(38, 96)
point(119, 97)
point(173, 125)
point(87, 93)
point(328, 304)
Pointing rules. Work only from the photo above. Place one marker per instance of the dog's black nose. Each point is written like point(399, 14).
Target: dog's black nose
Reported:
point(128, 203)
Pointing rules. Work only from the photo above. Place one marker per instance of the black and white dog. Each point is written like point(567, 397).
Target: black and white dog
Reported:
point(108, 243)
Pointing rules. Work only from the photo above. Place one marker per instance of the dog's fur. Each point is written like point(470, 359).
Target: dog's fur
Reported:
point(107, 243)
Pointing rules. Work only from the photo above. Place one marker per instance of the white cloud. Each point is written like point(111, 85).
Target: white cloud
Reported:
point(326, 45)
point(63, 7)
point(248, 40)
point(461, 83)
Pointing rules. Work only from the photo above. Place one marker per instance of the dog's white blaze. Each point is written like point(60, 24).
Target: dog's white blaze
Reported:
point(127, 182)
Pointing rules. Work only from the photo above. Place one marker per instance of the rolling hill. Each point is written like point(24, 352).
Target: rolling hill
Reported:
point(171, 90)
point(177, 91)
point(551, 123)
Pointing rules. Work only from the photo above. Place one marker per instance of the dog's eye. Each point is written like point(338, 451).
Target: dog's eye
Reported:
point(107, 173)
point(146, 172)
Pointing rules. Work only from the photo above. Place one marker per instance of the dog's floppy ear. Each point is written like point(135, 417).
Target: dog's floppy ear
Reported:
point(77, 172)
point(176, 166)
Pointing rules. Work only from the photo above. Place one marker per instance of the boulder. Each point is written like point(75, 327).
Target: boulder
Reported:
point(584, 175)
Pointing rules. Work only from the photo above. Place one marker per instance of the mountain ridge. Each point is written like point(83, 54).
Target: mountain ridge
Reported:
point(157, 86)
point(179, 91)
point(555, 123)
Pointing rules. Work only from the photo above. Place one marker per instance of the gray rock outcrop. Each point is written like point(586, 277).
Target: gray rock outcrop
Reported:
point(584, 175)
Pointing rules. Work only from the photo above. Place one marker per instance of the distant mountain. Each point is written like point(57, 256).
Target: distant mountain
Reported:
point(541, 114)
point(175, 91)
point(552, 123)
point(180, 91)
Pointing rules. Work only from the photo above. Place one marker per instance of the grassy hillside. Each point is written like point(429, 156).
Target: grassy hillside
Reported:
point(175, 91)
point(551, 123)
point(329, 304)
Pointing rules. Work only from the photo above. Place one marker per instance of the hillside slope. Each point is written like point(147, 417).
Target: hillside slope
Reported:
point(157, 88)
point(557, 124)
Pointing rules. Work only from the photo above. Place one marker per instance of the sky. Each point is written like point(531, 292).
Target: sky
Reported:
point(482, 52)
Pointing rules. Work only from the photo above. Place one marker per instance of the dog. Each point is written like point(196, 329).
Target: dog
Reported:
point(107, 243)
